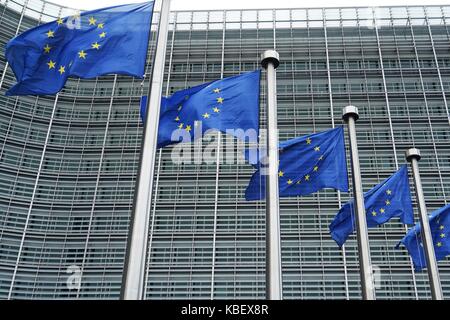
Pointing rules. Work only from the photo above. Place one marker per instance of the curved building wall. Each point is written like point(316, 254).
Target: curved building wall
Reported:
point(68, 163)
point(68, 166)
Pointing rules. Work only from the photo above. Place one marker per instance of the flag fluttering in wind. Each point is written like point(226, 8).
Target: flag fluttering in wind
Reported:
point(440, 233)
point(112, 40)
point(306, 164)
point(389, 199)
point(229, 105)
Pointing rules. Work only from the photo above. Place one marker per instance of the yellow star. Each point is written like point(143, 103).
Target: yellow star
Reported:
point(441, 227)
point(206, 115)
point(59, 21)
point(62, 69)
point(92, 21)
point(442, 235)
point(47, 48)
point(317, 149)
point(82, 54)
point(102, 35)
point(181, 126)
point(289, 182)
point(217, 90)
point(298, 182)
point(382, 210)
point(50, 34)
point(220, 100)
point(51, 64)
point(374, 213)
point(280, 174)
point(388, 192)
point(177, 119)
point(188, 128)
point(308, 141)
point(320, 158)
point(307, 177)
point(96, 46)
point(216, 110)
point(316, 168)
point(387, 202)
point(439, 244)
point(180, 107)
point(100, 25)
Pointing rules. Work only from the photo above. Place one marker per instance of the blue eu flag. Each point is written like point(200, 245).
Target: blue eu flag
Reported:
point(389, 199)
point(440, 233)
point(306, 165)
point(230, 105)
point(106, 41)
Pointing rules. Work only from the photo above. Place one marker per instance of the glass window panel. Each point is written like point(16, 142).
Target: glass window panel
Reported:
point(333, 23)
point(299, 15)
point(348, 13)
point(265, 25)
point(418, 22)
point(283, 25)
point(249, 15)
point(282, 15)
point(249, 25)
point(199, 26)
point(349, 23)
point(446, 11)
point(399, 12)
point(265, 15)
point(332, 14)
point(382, 13)
point(400, 22)
point(416, 12)
point(216, 16)
point(215, 26)
point(233, 16)
point(183, 26)
point(234, 25)
point(434, 12)
point(365, 13)
point(171, 18)
point(183, 17)
point(299, 24)
point(315, 24)
point(315, 14)
point(435, 21)
point(201, 16)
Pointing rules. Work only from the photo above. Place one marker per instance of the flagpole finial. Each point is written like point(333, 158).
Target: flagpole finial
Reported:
point(270, 56)
point(413, 153)
point(350, 111)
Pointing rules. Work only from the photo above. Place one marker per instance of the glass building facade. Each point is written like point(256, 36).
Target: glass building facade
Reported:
point(68, 163)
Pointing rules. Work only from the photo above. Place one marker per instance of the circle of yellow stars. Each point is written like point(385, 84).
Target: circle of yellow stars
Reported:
point(307, 177)
point(383, 209)
point(82, 54)
point(207, 115)
point(442, 235)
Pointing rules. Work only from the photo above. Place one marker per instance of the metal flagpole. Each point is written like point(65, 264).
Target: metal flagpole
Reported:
point(134, 271)
point(270, 61)
point(413, 156)
point(350, 116)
